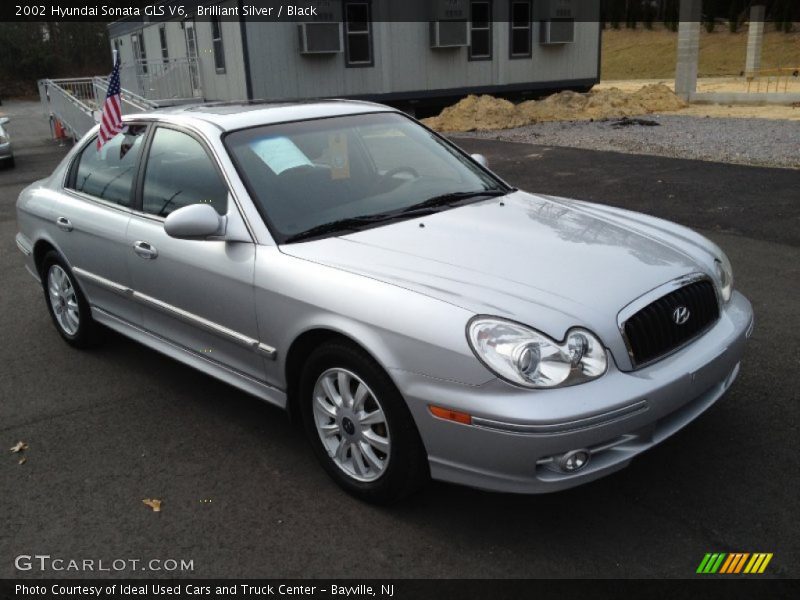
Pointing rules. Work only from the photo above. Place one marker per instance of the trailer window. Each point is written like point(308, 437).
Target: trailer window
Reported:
point(480, 30)
point(219, 48)
point(358, 34)
point(520, 28)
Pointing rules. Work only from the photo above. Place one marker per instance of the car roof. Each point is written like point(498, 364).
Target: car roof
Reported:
point(229, 116)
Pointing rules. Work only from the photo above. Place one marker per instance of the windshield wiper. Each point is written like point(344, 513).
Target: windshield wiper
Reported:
point(348, 224)
point(423, 208)
point(448, 199)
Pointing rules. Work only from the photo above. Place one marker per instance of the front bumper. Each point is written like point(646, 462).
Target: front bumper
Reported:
point(6, 151)
point(517, 436)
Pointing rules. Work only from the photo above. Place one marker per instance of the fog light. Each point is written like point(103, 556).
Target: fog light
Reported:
point(574, 460)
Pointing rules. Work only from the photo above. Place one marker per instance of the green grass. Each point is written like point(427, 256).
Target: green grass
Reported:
point(643, 54)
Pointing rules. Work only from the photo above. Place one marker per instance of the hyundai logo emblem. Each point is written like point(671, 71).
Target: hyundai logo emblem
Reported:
point(680, 315)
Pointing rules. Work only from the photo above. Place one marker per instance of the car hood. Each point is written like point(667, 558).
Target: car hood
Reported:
point(548, 262)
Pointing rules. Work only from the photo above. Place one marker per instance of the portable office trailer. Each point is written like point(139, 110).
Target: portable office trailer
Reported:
point(359, 49)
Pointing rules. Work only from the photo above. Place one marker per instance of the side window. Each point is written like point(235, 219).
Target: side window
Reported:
point(179, 172)
point(108, 173)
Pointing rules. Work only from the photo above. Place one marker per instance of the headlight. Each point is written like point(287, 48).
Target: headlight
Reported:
point(3, 139)
point(725, 275)
point(526, 357)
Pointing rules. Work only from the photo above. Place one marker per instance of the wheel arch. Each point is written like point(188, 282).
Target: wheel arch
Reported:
point(300, 348)
point(40, 250)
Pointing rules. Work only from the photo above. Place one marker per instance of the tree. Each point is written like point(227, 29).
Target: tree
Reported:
point(34, 51)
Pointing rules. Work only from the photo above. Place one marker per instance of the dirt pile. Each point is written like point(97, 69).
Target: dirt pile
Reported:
point(477, 112)
point(486, 112)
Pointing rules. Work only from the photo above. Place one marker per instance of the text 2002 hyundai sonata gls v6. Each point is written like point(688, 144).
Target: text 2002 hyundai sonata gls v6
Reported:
point(421, 316)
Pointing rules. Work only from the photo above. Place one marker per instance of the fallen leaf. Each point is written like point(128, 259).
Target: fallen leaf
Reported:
point(23, 460)
point(153, 503)
point(19, 447)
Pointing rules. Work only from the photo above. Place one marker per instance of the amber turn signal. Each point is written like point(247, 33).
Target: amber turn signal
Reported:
point(450, 415)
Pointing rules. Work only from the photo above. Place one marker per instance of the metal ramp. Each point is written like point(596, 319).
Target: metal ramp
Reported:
point(73, 105)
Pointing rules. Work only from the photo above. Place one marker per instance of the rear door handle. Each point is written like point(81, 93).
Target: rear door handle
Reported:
point(64, 224)
point(145, 250)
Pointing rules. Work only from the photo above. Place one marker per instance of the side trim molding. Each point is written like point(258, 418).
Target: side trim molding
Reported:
point(102, 282)
point(185, 316)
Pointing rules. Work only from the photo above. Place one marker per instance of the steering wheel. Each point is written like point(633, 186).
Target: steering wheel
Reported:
point(396, 170)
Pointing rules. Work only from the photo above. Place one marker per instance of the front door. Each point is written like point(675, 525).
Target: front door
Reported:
point(195, 293)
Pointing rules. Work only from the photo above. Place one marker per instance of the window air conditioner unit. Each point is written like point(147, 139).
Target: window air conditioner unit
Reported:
point(320, 38)
point(557, 31)
point(449, 34)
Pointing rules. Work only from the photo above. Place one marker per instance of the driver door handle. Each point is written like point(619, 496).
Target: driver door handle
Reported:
point(145, 250)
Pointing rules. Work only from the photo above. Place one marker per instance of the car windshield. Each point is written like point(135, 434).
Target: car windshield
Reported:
point(326, 176)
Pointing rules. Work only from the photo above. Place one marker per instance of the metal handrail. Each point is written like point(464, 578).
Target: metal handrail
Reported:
point(71, 101)
point(167, 81)
point(136, 102)
point(76, 102)
point(773, 75)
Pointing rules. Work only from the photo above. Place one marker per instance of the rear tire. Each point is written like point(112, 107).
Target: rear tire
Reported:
point(359, 426)
point(66, 303)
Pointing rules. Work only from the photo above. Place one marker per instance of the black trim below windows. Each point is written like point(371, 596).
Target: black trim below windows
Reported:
point(358, 34)
point(481, 24)
point(451, 95)
point(520, 29)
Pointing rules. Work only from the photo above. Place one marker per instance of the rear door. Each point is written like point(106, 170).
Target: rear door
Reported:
point(195, 293)
point(92, 216)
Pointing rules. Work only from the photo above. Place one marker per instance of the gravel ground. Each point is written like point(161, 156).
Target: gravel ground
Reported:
point(745, 141)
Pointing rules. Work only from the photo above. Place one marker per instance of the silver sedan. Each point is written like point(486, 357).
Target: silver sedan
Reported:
point(6, 150)
point(420, 316)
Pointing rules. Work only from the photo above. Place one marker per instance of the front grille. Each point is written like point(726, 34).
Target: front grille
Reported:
point(653, 331)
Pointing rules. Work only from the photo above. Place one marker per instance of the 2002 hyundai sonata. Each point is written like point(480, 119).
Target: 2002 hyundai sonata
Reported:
point(421, 316)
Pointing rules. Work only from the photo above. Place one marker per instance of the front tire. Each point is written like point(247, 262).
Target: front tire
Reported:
point(359, 425)
point(66, 303)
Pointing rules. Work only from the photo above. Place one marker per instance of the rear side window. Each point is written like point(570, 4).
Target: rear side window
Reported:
point(109, 173)
point(179, 172)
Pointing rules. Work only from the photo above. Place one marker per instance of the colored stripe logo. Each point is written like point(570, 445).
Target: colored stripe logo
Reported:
point(734, 563)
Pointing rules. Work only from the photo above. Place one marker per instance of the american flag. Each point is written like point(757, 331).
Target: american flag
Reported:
point(111, 118)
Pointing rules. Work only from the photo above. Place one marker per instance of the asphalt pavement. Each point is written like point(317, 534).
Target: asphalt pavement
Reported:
point(243, 496)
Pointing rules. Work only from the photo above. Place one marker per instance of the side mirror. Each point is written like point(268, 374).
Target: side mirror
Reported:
point(196, 221)
point(481, 160)
point(4, 120)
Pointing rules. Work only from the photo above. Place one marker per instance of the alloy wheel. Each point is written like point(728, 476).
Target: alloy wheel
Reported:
point(351, 424)
point(63, 299)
